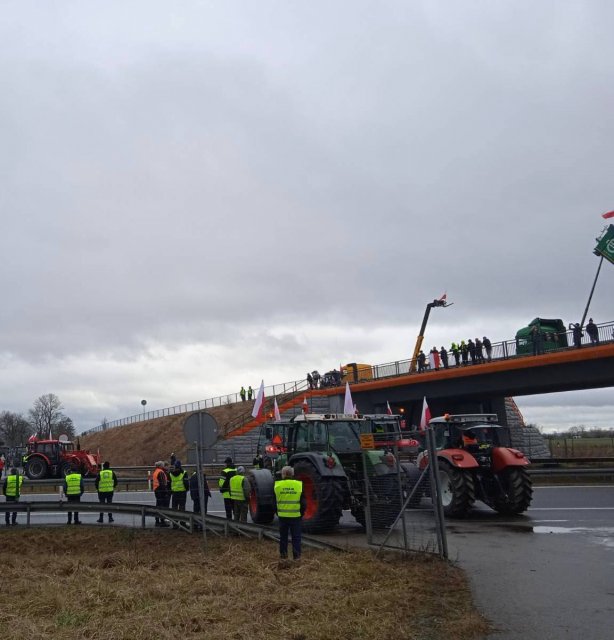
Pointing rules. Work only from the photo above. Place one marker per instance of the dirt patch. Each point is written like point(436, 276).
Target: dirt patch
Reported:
point(127, 584)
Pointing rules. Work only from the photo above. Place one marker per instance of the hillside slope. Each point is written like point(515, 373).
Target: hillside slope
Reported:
point(145, 442)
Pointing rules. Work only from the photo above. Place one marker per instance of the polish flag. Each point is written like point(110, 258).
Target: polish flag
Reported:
point(258, 409)
point(388, 409)
point(305, 405)
point(443, 297)
point(276, 411)
point(609, 214)
point(348, 404)
point(426, 416)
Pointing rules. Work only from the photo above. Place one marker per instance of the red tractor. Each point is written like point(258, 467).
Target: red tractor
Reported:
point(55, 458)
point(474, 464)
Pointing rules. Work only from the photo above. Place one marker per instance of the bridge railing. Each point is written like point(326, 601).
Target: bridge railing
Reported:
point(504, 350)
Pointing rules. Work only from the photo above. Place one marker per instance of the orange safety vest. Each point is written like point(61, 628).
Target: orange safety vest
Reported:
point(156, 478)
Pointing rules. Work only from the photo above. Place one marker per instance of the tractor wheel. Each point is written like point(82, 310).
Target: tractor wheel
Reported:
point(385, 502)
point(519, 489)
point(457, 491)
point(411, 478)
point(324, 496)
point(261, 497)
point(36, 468)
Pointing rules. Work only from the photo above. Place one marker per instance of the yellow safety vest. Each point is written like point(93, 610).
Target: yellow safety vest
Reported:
point(236, 488)
point(288, 496)
point(177, 482)
point(13, 486)
point(105, 484)
point(73, 484)
point(222, 480)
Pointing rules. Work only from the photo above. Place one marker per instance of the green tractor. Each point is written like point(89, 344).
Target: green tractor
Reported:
point(329, 453)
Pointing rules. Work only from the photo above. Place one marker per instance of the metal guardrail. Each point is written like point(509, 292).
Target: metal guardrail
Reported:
point(500, 351)
point(184, 520)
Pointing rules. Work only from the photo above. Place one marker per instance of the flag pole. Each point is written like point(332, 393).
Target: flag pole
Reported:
point(590, 297)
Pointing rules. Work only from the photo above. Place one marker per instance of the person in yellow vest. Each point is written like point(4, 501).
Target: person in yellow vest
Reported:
point(105, 482)
point(161, 489)
point(179, 488)
point(224, 485)
point(12, 490)
point(240, 489)
point(73, 490)
point(290, 505)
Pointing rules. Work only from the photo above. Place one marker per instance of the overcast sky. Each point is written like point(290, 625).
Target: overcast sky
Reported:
point(199, 195)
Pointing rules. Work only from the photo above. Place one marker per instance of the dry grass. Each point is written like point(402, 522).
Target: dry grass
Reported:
point(132, 584)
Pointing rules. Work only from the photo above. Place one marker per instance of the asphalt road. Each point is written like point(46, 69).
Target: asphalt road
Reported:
point(546, 575)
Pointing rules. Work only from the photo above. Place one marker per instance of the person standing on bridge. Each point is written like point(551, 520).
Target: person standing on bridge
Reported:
point(471, 349)
point(593, 332)
point(455, 353)
point(240, 490)
point(73, 490)
point(12, 490)
point(224, 486)
point(242, 393)
point(105, 482)
point(488, 346)
point(290, 506)
point(576, 330)
point(250, 392)
point(443, 354)
point(421, 362)
point(464, 349)
point(179, 488)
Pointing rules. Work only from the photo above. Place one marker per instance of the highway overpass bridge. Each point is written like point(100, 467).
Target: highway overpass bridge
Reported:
point(483, 387)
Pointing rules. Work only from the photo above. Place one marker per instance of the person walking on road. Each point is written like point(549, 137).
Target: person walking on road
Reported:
point(224, 485)
point(290, 505)
point(105, 482)
point(240, 489)
point(73, 490)
point(195, 493)
point(161, 490)
point(179, 488)
point(12, 490)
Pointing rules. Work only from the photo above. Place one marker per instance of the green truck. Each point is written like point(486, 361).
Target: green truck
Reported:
point(541, 335)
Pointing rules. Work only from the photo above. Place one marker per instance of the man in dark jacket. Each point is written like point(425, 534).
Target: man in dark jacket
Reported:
point(195, 492)
point(105, 482)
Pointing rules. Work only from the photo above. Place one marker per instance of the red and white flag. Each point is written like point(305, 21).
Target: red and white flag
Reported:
point(388, 409)
point(258, 409)
point(305, 405)
point(276, 411)
point(608, 214)
point(443, 297)
point(348, 404)
point(426, 415)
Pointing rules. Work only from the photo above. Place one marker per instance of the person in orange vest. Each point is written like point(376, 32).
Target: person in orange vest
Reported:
point(161, 491)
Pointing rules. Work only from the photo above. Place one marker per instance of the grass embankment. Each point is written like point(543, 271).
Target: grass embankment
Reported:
point(124, 584)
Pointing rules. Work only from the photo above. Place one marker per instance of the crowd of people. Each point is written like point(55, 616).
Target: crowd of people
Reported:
point(462, 353)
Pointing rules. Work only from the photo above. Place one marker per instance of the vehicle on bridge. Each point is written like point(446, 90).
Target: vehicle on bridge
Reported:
point(473, 465)
point(356, 372)
point(551, 334)
point(330, 453)
point(55, 458)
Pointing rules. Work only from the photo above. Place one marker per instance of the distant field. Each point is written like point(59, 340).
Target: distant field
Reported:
point(123, 584)
point(581, 447)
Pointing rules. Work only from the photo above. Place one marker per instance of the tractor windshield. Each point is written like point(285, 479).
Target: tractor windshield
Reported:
point(344, 436)
point(67, 446)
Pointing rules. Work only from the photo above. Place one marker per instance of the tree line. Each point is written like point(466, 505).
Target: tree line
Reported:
point(45, 419)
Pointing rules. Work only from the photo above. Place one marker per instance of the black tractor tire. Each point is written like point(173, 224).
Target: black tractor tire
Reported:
point(36, 468)
point(519, 488)
point(457, 490)
point(325, 497)
point(261, 509)
point(410, 479)
point(385, 502)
